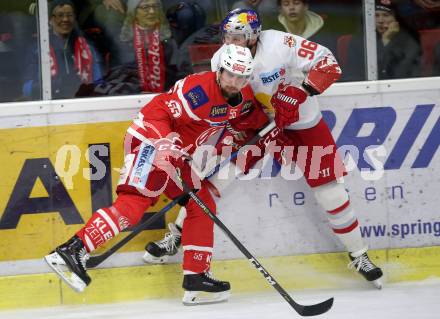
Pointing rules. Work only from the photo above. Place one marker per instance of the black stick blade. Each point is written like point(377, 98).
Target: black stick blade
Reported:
point(96, 260)
point(314, 310)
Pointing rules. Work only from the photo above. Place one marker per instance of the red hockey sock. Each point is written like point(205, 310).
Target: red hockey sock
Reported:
point(196, 261)
point(106, 223)
point(101, 227)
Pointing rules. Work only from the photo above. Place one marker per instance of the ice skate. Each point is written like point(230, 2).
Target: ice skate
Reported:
point(68, 261)
point(204, 289)
point(158, 252)
point(366, 268)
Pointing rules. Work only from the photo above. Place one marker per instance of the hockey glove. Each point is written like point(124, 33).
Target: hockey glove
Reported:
point(271, 143)
point(171, 156)
point(286, 101)
point(247, 123)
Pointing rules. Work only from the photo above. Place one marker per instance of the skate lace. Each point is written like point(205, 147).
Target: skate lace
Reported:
point(83, 257)
point(169, 243)
point(362, 263)
point(209, 275)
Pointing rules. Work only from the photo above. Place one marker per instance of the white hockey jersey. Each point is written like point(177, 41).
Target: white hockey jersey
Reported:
point(283, 56)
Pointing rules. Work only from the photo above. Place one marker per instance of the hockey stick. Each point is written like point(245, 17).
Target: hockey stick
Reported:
point(303, 310)
point(96, 260)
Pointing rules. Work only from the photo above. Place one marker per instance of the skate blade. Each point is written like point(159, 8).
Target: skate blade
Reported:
point(59, 266)
point(150, 259)
point(193, 298)
point(377, 283)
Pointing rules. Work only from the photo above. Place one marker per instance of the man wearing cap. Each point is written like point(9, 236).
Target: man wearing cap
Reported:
point(398, 47)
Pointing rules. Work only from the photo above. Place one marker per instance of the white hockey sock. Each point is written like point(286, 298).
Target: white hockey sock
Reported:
point(334, 199)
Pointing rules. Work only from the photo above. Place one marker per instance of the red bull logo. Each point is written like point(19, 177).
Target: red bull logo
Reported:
point(247, 17)
point(252, 17)
point(242, 18)
point(289, 41)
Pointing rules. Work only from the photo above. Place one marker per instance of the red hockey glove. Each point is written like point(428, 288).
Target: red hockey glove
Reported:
point(323, 74)
point(286, 101)
point(272, 142)
point(246, 124)
point(171, 156)
point(254, 120)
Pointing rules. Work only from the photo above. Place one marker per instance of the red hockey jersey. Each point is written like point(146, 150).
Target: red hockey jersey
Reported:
point(196, 110)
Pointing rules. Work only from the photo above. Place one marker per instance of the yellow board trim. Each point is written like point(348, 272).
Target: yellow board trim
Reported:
point(164, 281)
point(44, 231)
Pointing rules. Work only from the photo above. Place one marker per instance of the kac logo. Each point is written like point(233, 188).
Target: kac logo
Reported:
point(239, 67)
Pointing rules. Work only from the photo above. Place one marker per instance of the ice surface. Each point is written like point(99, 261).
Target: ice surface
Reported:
point(397, 301)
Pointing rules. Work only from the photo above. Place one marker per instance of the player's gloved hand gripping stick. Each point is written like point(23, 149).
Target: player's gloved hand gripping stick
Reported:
point(286, 102)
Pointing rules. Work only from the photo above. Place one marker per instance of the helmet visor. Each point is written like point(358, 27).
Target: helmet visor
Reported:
point(234, 38)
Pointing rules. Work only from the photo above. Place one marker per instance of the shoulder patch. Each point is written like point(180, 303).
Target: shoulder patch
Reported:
point(196, 97)
point(289, 41)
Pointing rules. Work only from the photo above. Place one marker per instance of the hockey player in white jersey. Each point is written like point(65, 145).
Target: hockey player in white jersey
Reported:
point(289, 72)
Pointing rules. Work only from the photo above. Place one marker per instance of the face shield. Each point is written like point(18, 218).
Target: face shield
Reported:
point(235, 38)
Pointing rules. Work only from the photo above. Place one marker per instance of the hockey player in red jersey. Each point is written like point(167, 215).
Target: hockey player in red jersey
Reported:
point(289, 72)
point(167, 131)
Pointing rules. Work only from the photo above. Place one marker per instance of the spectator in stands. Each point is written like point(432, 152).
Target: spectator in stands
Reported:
point(185, 18)
point(73, 59)
point(398, 48)
point(267, 9)
point(107, 12)
point(145, 50)
point(17, 29)
point(296, 18)
point(102, 20)
point(23, 6)
point(7, 67)
point(247, 4)
point(430, 5)
point(8, 62)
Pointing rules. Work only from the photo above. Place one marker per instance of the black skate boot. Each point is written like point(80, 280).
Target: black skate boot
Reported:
point(366, 268)
point(204, 289)
point(71, 257)
point(158, 252)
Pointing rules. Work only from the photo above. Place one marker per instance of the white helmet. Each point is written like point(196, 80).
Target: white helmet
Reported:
point(237, 60)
